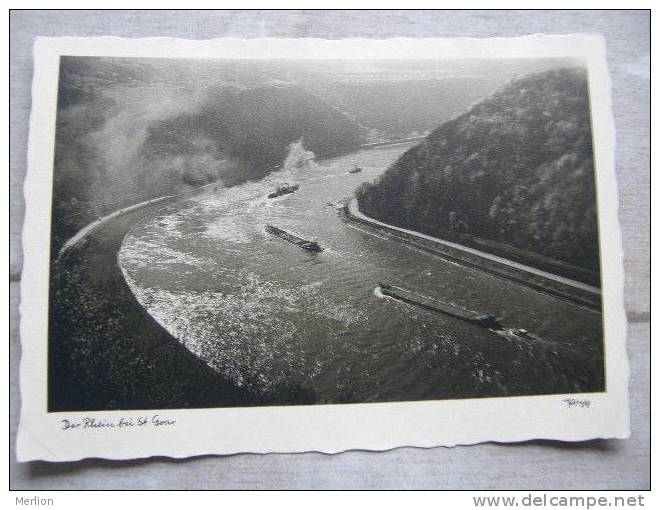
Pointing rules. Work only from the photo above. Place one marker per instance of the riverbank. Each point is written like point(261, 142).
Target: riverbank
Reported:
point(542, 281)
point(105, 351)
point(84, 232)
point(392, 142)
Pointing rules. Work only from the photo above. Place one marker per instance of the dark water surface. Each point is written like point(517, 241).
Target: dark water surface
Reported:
point(267, 314)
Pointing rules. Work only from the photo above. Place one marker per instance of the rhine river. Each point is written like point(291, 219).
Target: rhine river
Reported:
point(272, 317)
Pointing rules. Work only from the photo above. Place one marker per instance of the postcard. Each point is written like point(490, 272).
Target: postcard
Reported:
point(290, 245)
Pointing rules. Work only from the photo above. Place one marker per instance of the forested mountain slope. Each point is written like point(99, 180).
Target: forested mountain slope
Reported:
point(254, 127)
point(517, 168)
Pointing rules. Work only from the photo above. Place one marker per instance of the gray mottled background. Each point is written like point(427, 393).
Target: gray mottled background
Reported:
point(535, 465)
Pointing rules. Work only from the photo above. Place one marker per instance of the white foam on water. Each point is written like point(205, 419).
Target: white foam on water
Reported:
point(251, 334)
point(141, 253)
point(229, 229)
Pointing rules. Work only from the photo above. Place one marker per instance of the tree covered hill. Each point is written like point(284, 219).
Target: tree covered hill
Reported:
point(517, 168)
point(254, 127)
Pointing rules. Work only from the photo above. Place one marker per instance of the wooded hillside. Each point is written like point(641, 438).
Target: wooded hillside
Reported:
point(517, 168)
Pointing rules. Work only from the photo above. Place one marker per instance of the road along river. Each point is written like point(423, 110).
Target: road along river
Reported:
point(273, 318)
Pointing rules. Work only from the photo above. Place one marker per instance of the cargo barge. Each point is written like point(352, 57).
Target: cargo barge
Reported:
point(285, 189)
point(311, 246)
point(434, 305)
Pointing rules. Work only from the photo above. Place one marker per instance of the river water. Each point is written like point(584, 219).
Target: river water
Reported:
point(281, 321)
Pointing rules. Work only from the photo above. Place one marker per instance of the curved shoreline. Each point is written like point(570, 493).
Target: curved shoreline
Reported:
point(105, 350)
point(84, 232)
point(564, 288)
point(88, 229)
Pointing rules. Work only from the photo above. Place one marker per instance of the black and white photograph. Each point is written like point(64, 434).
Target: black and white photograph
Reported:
point(238, 233)
point(301, 232)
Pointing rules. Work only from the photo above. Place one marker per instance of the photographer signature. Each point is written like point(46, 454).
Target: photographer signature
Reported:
point(577, 402)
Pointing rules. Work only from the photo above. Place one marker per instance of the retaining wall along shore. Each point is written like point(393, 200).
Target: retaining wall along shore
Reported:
point(564, 288)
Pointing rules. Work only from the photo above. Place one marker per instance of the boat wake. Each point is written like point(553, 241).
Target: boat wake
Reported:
point(488, 322)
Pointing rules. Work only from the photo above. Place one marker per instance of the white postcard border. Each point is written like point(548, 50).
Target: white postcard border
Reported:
point(325, 428)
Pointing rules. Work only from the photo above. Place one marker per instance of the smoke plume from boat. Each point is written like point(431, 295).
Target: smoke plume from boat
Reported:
point(298, 160)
